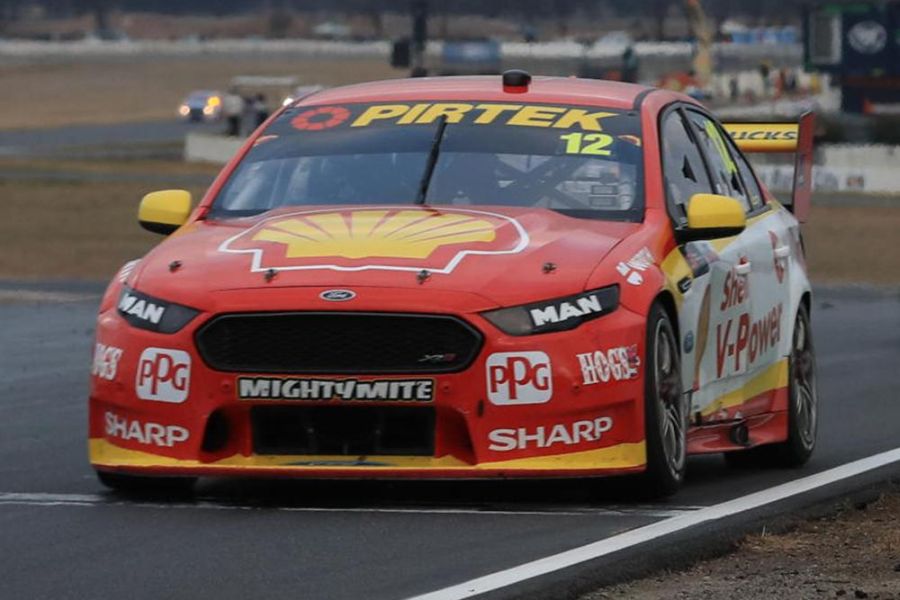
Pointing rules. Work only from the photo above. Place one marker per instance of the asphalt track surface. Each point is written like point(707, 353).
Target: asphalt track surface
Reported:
point(62, 536)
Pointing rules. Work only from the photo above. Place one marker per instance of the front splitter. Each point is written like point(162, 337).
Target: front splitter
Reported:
point(613, 460)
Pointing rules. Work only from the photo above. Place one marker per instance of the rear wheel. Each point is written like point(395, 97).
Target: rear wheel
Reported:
point(139, 484)
point(803, 411)
point(803, 407)
point(666, 409)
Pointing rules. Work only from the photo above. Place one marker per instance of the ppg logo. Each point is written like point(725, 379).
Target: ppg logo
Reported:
point(519, 378)
point(163, 375)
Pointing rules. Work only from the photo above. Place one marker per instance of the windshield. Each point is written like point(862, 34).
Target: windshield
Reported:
point(581, 161)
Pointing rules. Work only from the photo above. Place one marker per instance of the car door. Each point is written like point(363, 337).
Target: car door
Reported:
point(715, 300)
point(770, 254)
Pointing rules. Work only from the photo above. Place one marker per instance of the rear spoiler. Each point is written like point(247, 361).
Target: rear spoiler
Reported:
point(796, 138)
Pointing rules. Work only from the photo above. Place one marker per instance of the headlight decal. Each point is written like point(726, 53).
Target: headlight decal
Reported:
point(559, 314)
point(146, 312)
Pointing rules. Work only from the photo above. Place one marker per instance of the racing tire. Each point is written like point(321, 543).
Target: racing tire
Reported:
point(666, 410)
point(803, 407)
point(139, 484)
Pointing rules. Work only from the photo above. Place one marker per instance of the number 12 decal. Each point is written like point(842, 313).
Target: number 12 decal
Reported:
point(588, 143)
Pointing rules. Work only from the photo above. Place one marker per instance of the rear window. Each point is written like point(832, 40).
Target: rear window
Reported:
point(581, 161)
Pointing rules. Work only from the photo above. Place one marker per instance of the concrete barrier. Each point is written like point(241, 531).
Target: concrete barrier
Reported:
point(210, 147)
point(842, 168)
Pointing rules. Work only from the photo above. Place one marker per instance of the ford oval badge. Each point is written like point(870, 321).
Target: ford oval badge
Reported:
point(337, 295)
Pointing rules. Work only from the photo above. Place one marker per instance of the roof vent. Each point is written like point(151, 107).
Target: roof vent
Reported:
point(516, 81)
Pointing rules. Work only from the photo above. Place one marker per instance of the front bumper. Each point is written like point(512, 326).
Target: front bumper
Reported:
point(584, 425)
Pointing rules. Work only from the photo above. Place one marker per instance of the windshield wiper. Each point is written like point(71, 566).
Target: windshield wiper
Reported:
point(432, 159)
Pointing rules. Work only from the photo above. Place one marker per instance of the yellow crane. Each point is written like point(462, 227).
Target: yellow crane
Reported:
point(700, 29)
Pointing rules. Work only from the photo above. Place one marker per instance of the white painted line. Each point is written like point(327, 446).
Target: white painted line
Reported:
point(556, 562)
point(51, 499)
point(21, 296)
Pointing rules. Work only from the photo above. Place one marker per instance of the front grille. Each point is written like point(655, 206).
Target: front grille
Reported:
point(343, 430)
point(332, 342)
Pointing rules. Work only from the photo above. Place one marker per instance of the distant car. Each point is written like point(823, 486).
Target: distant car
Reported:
point(466, 277)
point(201, 105)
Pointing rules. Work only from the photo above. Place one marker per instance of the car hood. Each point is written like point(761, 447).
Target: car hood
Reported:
point(506, 255)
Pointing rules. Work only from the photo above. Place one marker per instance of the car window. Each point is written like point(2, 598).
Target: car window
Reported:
point(683, 168)
point(747, 177)
point(725, 170)
point(584, 162)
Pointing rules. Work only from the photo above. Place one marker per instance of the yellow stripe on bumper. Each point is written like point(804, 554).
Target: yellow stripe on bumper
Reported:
point(621, 456)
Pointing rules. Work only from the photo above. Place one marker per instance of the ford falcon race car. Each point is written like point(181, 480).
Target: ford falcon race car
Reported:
point(465, 278)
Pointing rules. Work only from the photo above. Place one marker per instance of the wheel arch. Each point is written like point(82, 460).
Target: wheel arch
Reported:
point(667, 301)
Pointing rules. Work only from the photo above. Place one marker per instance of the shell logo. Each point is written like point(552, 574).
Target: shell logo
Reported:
point(377, 238)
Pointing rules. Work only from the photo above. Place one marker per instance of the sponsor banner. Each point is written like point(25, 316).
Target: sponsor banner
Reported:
point(146, 433)
point(557, 314)
point(742, 343)
point(631, 270)
point(764, 137)
point(519, 378)
point(616, 364)
point(135, 306)
point(549, 436)
point(301, 388)
point(153, 314)
point(393, 239)
point(163, 375)
point(868, 37)
point(565, 310)
point(425, 113)
point(724, 301)
point(735, 290)
point(106, 361)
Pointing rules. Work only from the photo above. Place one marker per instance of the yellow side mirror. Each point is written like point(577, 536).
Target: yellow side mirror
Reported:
point(164, 211)
point(712, 216)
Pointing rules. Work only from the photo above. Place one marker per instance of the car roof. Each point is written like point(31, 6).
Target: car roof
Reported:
point(565, 90)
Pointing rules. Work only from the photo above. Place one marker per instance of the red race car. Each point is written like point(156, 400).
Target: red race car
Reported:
point(465, 278)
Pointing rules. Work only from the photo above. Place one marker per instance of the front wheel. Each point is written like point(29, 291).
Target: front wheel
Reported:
point(665, 406)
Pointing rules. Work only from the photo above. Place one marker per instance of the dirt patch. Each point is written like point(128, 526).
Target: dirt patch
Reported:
point(87, 229)
point(47, 95)
point(71, 230)
point(852, 244)
point(854, 554)
point(136, 167)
